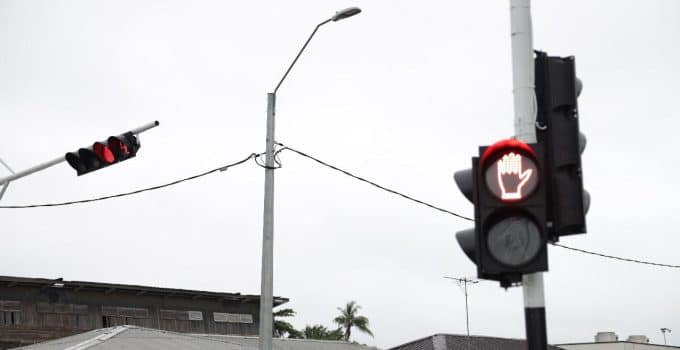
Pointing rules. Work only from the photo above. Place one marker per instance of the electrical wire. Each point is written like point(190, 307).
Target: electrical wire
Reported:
point(458, 215)
point(255, 156)
point(371, 182)
point(616, 257)
point(222, 168)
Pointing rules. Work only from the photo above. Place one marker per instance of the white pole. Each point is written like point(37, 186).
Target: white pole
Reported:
point(523, 70)
point(32, 170)
point(525, 119)
point(267, 276)
point(145, 127)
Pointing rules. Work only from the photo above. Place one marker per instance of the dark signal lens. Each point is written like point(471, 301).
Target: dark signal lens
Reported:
point(119, 148)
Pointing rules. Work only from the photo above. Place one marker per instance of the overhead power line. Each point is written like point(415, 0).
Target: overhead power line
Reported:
point(458, 215)
point(345, 172)
point(222, 168)
point(615, 257)
point(371, 182)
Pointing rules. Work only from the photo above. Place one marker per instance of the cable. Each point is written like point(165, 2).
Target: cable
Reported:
point(615, 257)
point(255, 156)
point(222, 168)
point(371, 182)
point(457, 215)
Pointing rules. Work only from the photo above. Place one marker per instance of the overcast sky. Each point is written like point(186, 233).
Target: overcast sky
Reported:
point(402, 94)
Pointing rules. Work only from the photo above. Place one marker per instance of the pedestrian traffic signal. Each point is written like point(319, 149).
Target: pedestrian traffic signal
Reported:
point(557, 91)
point(102, 154)
point(507, 187)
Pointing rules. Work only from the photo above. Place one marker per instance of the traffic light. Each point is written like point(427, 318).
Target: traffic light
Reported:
point(102, 154)
point(557, 120)
point(507, 186)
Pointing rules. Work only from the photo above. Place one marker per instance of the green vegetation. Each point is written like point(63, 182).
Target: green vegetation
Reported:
point(348, 319)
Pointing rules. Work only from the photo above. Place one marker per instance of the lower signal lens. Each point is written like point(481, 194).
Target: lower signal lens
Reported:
point(514, 241)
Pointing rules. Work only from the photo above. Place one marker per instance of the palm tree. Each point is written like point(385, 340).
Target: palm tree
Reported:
point(282, 328)
point(349, 318)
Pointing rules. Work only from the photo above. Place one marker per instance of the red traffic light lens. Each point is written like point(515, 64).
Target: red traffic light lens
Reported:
point(512, 176)
point(510, 170)
point(103, 152)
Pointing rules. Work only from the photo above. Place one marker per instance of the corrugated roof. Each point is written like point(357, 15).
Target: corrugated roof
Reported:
point(127, 288)
point(138, 338)
point(291, 344)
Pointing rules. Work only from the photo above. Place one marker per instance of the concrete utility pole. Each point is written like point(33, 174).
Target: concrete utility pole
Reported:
point(267, 275)
point(525, 119)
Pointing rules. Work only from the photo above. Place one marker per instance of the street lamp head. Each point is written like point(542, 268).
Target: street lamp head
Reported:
point(346, 13)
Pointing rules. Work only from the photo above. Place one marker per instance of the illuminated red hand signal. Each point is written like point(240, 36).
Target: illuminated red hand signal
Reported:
point(511, 178)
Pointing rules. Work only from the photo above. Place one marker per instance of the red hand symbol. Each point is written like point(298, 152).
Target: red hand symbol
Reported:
point(511, 178)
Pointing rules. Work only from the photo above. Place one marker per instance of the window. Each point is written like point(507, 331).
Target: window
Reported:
point(10, 318)
point(10, 313)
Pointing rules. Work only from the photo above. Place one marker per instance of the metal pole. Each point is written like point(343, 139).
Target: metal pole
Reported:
point(267, 281)
point(525, 116)
point(32, 170)
point(145, 127)
point(467, 318)
point(464, 281)
point(4, 188)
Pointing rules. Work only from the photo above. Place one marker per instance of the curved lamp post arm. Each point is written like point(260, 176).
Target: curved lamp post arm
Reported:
point(300, 53)
point(340, 15)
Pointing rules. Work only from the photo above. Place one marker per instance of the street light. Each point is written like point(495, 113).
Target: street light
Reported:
point(267, 276)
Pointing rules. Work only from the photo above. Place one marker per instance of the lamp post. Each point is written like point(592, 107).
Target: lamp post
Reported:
point(267, 276)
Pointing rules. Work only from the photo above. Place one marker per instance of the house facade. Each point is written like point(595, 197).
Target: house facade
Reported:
point(35, 309)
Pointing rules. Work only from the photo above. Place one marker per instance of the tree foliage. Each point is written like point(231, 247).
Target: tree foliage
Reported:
point(349, 318)
point(283, 328)
point(320, 332)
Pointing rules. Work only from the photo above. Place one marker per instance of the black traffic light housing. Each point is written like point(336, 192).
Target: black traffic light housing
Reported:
point(557, 120)
point(104, 153)
point(510, 235)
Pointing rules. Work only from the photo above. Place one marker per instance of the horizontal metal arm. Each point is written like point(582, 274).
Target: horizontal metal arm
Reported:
point(145, 127)
point(32, 170)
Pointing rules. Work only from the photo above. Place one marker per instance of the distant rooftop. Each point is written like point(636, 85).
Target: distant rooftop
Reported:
point(76, 286)
point(463, 342)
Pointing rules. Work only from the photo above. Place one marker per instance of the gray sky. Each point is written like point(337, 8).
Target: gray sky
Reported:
point(402, 94)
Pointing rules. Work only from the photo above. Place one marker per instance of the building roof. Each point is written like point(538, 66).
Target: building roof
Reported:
point(108, 288)
point(612, 344)
point(138, 338)
point(290, 344)
point(462, 342)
